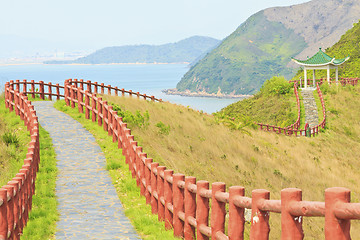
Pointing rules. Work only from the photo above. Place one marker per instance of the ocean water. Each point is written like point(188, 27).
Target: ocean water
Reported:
point(149, 79)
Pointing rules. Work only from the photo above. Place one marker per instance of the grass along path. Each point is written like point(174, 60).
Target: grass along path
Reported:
point(136, 209)
point(43, 216)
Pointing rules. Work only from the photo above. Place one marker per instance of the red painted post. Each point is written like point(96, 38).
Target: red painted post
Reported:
point(116, 91)
point(236, 214)
point(3, 214)
point(16, 213)
point(93, 108)
point(148, 162)
point(80, 100)
point(82, 83)
point(10, 210)
point(20, 177)
point(102, 88)
point(50, 92)
point(218, 211)
point(88, 86)
point(99, 110)
point(122, 92)
point(110, 119)
point(153, 200)
point(137, 160)
point(291, 226)
point(178, 203)
point(130, 93)
point(109, 89)
point(41, 86)
point(105, 115)
point(160, 188)
point(335, 228)
point(95, 87)
point(202, 209)
point(190, 209)
point(87, 105)
point(32, 89)
point(168, 198)
point(24, 86)
point(260, 228)
point(72, 96)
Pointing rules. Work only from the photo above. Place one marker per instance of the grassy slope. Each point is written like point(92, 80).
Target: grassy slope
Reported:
point(198, 146)
point(348, 45)
point(256, 51)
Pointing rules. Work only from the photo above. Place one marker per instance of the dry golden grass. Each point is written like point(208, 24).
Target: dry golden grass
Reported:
point(198, 146)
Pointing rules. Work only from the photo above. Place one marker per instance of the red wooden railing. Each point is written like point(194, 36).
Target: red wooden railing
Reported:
point(16, 195)
point(183, 203)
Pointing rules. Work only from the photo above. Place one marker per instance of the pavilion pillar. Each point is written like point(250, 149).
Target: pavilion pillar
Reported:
point(337, 75)
point(305, 77)
point(328, 74)
point(314, 77)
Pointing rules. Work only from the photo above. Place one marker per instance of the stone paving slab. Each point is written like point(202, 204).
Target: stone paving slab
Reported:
point(88, 204)
point(311, 112)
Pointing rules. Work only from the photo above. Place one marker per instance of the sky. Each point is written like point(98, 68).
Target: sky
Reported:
point(93, 24)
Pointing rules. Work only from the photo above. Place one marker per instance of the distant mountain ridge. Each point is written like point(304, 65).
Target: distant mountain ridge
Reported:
point(263, 45)
point(186, 50)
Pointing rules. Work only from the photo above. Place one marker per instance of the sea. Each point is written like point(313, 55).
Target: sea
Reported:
point(144, 78)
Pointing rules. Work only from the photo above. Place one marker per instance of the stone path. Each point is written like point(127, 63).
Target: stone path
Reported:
point(88, 204)
point(311, 113)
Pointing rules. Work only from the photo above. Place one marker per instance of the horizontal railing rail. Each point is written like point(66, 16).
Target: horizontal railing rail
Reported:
point(16, 195)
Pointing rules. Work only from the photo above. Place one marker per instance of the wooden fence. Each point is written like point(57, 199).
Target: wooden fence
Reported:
point(16, 195)
point(192, 209)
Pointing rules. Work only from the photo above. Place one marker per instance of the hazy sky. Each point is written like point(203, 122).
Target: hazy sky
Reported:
point(100, 23)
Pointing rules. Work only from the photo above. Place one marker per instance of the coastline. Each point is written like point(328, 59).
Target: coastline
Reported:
point(174, 91)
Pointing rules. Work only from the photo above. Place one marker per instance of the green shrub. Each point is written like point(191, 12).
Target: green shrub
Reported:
point(276, 86)
point(10, 138)
point(163, 129)
point(137, 119)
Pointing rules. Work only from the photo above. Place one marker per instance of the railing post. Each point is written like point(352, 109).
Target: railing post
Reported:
point(109, 89)
point(147, 172)
point(160, 187)
point(93, 108)
point(32, 88)
point(10, 210)
point(24, 86)
point(236, 214)
point(50, 92)
point(105, 112)
point(178, 202)
point(87, 105)
point(218, 211)
point(122, 92)
point(291, 226)
point(116, 91)
point(88, 86)
point(16, 214)
point(102, 88)
point(41, 88)
point(202, 209)
point(57, 91)
point(336, 229)
point(99, 110)
point(95, 87)
point(3, 214)
point(259, 219)
point(168, 199)
point(190, 209)
point(80, 100)
point(153, 201)
point(72, 95)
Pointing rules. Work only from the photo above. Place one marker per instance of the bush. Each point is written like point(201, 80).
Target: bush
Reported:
point(276, 86)
point(10, 138)
point(163, 129)
point(137, 119)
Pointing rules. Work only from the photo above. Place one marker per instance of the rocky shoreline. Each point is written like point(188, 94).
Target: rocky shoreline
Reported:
point(174, 91)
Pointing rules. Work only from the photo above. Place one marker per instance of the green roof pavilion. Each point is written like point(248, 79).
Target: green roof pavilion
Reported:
point(320, 61)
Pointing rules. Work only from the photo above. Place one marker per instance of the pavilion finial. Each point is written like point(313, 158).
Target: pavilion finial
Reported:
point(320, 48)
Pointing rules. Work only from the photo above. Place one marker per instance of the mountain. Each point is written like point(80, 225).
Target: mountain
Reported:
point(348, 45)
point(186, 50)
point(263, 45)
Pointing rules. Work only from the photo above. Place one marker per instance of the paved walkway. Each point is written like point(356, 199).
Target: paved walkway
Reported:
point(88, 204)
point(311, 113)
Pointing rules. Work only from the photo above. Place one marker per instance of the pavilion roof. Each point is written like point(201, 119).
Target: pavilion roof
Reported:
point(320, 59)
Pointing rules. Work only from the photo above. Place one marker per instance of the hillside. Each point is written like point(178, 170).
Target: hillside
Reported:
point(183, 140)
point(186, 50)
point(262, 46)
point(348, 45)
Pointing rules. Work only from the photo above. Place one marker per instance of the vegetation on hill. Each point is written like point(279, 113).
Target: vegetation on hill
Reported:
point(186, 50)
point(183, 140)
point(263, 45)
point(274, 104)
point(257, 50)
point(348, 45)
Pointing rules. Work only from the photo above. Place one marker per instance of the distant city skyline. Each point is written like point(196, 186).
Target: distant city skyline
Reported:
point(90, 24)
